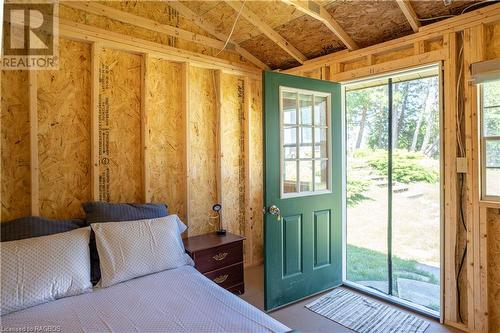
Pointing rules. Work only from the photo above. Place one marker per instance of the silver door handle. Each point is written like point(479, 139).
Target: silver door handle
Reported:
point(274, 210)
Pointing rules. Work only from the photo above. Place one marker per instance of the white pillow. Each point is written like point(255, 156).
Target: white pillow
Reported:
point(135, 248)
point(42, 269)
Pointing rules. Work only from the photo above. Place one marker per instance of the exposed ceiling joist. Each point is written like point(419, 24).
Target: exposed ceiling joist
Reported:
point(267, 30)
point(206, 26)
point(319, 13)
point(409, 13)
point(119, 15)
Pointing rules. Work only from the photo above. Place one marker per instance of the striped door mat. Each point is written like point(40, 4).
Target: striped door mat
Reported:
point(365, 315)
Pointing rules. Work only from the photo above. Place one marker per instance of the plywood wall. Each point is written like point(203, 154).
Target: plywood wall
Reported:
point(256, 170)
point(203, 149)
point(15, 145)
point(120, 114)
point(232, 153)
point(64, 133)
point(143, 131)
point(166, 144)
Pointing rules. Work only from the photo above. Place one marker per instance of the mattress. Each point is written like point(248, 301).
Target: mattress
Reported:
point(177, 300)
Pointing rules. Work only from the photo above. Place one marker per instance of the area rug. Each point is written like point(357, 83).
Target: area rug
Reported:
point(365, 315)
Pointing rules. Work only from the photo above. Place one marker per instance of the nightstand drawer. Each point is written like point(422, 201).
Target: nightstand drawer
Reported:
point(218, 257)
point(228, 276)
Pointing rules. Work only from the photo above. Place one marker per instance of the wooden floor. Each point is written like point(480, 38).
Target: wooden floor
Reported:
point(296, 316)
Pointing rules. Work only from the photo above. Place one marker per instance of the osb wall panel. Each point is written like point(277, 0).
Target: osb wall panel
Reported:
point(64, 133)
point(15, 144)
point(165, 147)
point(203, 147)
point(120, 127)
point(232, 164)
point(370, 22)
point(256, 169)
point(493, 41)
point(493, 223)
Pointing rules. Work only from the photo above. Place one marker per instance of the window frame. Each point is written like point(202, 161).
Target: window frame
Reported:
point(298, 193)
point(482, 146)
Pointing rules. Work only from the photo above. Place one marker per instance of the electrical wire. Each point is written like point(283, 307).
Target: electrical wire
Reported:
point(476, 4)
point(232, 29)
point(452, 15)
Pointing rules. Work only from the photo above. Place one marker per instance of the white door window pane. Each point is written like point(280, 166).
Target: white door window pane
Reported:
point(304, 134)
point(290, 136)
point(320, 175)
point(319, 111)
point(306, 110)
point(289, 108)
point(491, 94)
point(306, 176)
point(306, 147)
point(491, 121)
point(320, 143)
point(290, 177)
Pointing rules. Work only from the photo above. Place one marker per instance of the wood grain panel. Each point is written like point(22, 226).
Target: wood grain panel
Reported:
point(202, 128)
point(166, 138)
point(64, 133)
point(232, 153)
point(120, 121)
point(15, 143)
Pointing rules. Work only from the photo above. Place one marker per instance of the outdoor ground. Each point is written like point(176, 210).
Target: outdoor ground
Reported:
point(415, 237)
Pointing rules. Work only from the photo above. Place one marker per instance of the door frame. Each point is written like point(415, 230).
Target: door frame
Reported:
point(372, 292)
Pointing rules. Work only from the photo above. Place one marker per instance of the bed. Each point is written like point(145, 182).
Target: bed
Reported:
point(176, 300)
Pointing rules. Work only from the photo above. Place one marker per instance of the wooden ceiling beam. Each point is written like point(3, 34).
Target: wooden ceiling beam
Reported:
point(320, 13)
point(410, 14)
point(206, 26)
point(267, 30)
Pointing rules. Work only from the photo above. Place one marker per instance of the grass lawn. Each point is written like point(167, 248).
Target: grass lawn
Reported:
point(368, 265)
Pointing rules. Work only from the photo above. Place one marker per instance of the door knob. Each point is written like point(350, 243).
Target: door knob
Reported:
point(274, 210)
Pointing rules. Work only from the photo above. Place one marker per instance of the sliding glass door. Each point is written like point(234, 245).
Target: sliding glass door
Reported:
point(393, 196)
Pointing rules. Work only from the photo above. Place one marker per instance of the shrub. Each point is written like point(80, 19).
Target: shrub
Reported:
point(355, 190)
point(406, 167)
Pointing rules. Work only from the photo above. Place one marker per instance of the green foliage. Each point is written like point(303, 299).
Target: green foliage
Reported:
point(407, 166)
point(355, 190)
point(368, 265)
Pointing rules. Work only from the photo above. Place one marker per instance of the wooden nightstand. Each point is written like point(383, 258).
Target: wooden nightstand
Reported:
point(220, 258)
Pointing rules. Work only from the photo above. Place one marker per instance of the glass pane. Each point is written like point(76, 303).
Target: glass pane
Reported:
point(416, 193)
point(290, 177)
point(320, 111)
point(366, 113)
point(306, 112)
point(491, 121)
point(320, 175)
point(290, 136)
point(306, 148)
point(493, 181)
point(306, 176)
point(492, 153)
point(491, 93)
point(320, 143)
point(289, 108)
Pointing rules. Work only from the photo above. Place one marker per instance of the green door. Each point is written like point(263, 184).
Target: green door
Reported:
point(303, 228)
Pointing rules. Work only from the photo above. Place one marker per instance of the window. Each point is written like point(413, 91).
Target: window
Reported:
point(304, 142)
point(490, 139)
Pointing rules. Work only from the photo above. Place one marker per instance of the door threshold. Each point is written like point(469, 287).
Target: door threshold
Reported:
point(422, 310)
point(301, 299)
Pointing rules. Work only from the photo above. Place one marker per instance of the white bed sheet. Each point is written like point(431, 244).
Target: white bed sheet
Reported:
point(177, 300)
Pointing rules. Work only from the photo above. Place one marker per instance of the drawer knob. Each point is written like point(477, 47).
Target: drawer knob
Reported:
point(220, 256)
point(221, 278)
